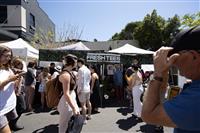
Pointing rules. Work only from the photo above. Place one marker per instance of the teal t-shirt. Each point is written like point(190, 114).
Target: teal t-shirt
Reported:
point(184, 109)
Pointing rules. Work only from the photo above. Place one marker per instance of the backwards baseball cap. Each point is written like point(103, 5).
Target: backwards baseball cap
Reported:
point(58, 68)
point(188, 39)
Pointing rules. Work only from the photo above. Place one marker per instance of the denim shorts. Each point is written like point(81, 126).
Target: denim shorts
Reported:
point(9, 116)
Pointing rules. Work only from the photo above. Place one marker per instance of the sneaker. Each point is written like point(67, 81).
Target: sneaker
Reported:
point(159, 129)
point(138, 119)
point(16, 128)
point(85, 122)
point(95, 112)
point(89, 117)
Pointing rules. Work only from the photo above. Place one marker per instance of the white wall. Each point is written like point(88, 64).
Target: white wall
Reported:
point(147, 67)
point(23, 19)
point(47, 63)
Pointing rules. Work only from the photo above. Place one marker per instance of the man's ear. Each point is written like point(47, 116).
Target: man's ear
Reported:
point(195, 54)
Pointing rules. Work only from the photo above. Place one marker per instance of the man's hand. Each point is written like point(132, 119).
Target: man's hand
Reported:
point(162, 63)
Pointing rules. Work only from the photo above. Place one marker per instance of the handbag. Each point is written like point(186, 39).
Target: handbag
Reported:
point(75, 124)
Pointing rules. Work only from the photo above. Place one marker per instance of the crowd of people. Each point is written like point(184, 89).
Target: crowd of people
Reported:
point(18, 85)
point(80, 87)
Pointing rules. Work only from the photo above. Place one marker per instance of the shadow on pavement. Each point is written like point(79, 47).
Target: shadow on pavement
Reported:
point(149, 129)
point(115, 103)
point(48, 129)
point(126, 124)
point(55, 112)
point(39, 110)
point(125, 110)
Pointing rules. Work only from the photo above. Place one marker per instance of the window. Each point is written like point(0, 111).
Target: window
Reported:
point(32, 20)
point(3, 14)
point(32, 23)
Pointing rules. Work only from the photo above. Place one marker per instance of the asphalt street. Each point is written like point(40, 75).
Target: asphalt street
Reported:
point(111, 119)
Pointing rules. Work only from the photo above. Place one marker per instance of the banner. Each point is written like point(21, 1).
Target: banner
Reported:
point(103, 57)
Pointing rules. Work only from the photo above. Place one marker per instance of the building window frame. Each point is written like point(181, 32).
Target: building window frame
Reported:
point(3, 15)
point(32, 23)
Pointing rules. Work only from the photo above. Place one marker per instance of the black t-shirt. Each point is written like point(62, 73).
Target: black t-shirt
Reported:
point(30, 76)
point(51, 70)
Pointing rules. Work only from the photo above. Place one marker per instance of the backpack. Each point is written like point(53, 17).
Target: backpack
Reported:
point(53, 92)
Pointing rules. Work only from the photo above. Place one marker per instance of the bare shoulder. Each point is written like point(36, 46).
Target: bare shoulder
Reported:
point(64, 76)
point(95, 76)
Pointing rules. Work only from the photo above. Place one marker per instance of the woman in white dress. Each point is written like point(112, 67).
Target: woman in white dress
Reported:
point(137, 90)
point(67, 105)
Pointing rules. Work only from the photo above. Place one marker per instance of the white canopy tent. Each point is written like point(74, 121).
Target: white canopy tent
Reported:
point(130, 49)
point(22, 48)
point(76, 46)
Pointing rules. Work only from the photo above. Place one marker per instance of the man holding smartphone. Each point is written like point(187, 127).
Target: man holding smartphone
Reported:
point(183, 111)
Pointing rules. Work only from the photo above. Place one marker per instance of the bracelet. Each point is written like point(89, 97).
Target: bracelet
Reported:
point(160, 79)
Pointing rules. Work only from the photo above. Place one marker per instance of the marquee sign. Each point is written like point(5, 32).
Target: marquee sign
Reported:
point(103, 57)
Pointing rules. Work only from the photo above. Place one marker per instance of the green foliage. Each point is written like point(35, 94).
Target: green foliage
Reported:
point(127, 33)
point(171, 29)
point(57, 55)
point(190, 20)
point(156, 31)
point(43, 39)
point(152, 33)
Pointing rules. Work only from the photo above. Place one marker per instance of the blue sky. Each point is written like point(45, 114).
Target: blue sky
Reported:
point(101, 19)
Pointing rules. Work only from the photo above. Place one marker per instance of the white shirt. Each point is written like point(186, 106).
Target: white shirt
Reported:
point(7, 94)
point(84, 77)
point(55, 74)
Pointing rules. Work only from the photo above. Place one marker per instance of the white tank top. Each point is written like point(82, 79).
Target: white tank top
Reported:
point(7, 94)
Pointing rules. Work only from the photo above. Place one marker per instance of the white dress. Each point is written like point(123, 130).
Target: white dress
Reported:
point(65, 111)
point(42, 85)
point(137, 90)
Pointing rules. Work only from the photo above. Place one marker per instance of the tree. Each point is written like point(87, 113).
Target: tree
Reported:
point(69, 32)
point(190, 20)
point(43, 39)
point(149, 34)
point(152, 33)
point(128, 32)
point(171, 29)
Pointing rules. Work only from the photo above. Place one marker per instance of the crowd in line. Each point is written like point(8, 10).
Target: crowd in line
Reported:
point(18, 87)
point(82, 83)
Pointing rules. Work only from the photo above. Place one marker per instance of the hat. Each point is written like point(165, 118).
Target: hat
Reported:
point(188, 39)
point(58, 68)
